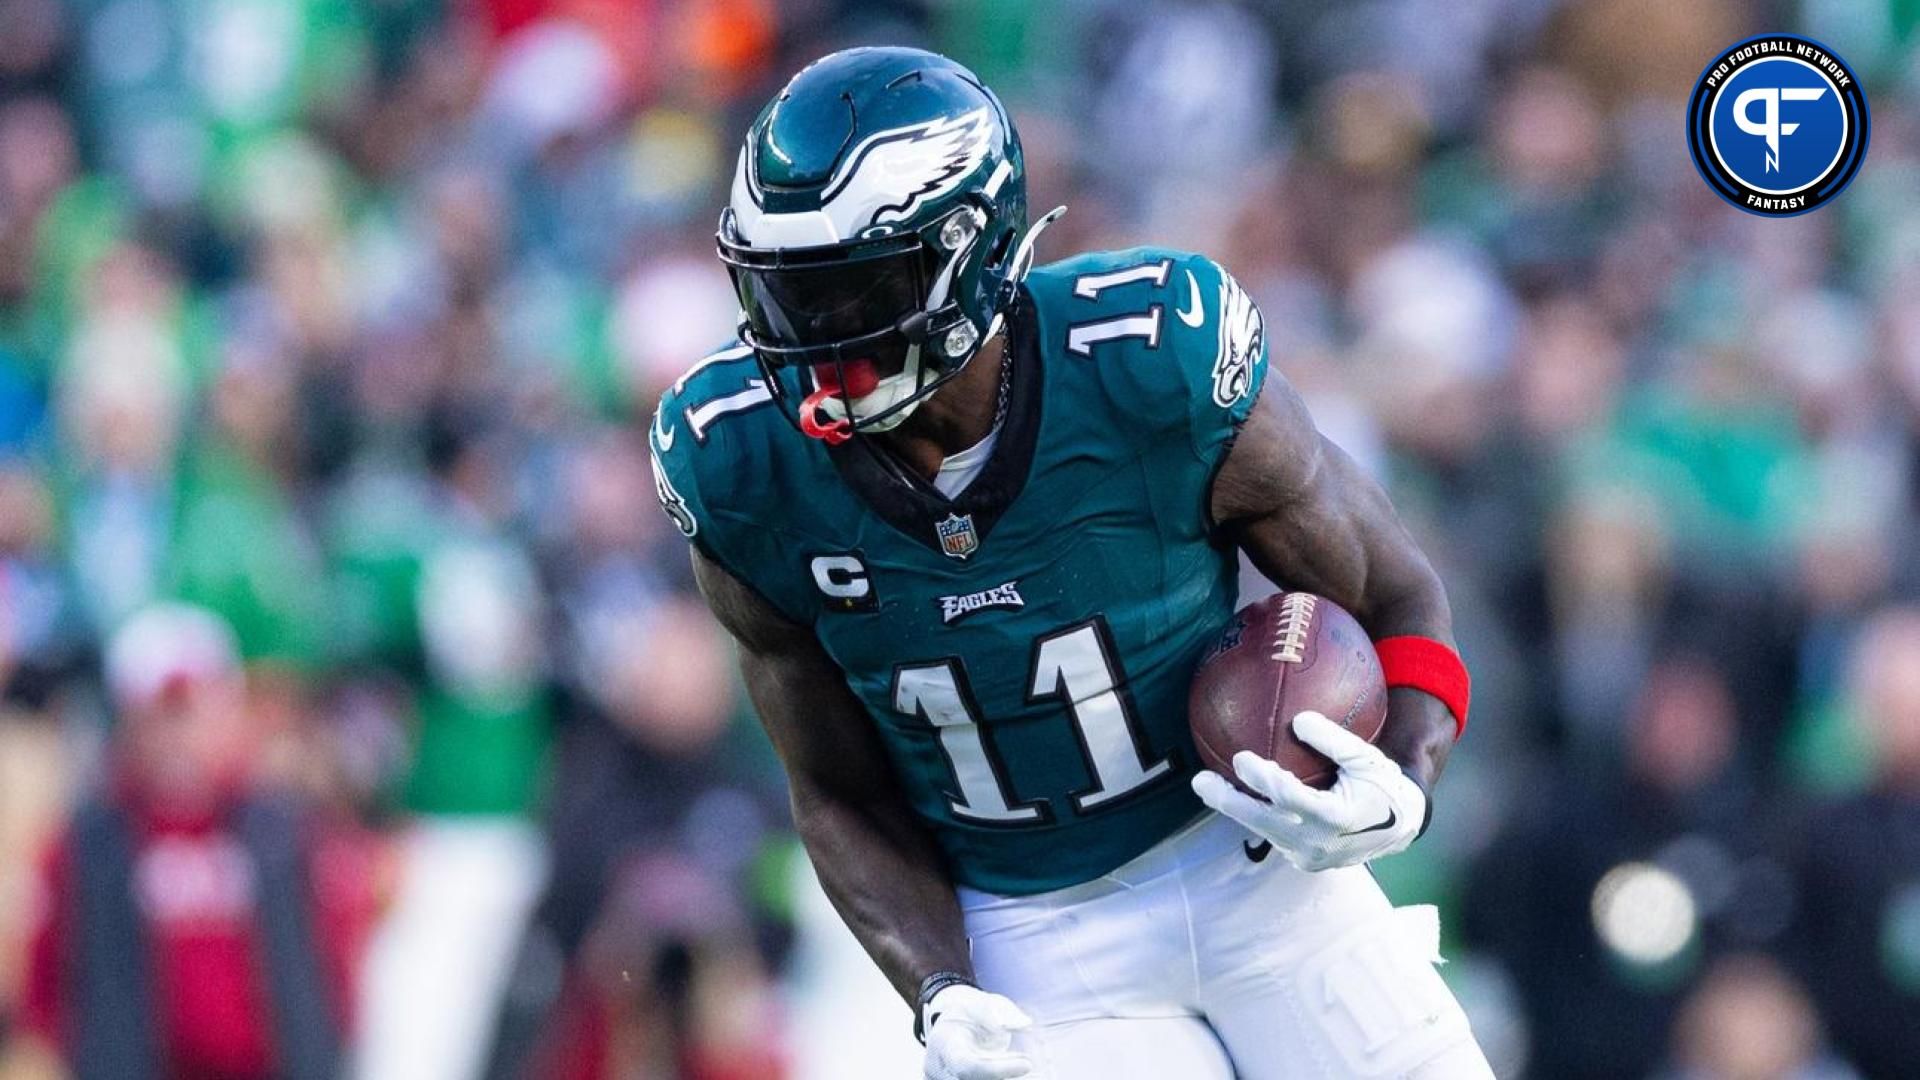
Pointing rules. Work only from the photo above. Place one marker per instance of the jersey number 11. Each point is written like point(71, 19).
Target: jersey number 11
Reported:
point(1075, 664)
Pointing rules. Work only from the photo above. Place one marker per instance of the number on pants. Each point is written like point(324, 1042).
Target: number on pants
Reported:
point(1077, 664)
point(1376, 985)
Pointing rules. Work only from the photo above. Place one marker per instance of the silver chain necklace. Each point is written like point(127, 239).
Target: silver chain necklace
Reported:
point(1006, 385)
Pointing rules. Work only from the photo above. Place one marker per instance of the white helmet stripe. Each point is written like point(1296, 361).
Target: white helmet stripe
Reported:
point(757, 228)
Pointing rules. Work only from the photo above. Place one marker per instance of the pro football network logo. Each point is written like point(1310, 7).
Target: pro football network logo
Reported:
point(1778, 125)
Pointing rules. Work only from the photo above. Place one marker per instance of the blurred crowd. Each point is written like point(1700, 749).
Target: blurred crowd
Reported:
point(358, 716)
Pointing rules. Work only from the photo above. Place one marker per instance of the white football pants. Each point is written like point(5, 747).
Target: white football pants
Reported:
point(1193, 962)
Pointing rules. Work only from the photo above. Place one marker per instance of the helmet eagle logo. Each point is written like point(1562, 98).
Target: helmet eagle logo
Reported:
point(897, 171)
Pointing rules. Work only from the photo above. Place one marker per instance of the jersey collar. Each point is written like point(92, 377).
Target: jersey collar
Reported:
point(912, 505)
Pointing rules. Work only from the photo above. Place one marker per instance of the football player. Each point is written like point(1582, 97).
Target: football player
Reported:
point(973, 523)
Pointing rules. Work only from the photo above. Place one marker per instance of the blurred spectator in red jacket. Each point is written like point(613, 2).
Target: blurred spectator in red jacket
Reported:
point(193, 925)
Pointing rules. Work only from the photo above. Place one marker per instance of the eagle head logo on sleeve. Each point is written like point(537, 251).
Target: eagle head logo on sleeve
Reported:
point(670, 499)
point(1240, 331)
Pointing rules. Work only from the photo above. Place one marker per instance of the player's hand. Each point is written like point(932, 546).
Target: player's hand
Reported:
point(1372, 809)
point(970, 1036)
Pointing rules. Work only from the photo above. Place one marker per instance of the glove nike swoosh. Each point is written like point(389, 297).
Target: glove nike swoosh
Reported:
point(1393, 818)
point(1257, 852)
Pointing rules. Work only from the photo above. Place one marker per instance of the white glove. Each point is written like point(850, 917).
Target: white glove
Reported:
point(970, 1036)
point(1373, 808)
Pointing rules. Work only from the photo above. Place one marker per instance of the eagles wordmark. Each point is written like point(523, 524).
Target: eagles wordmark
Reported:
point(955, 608)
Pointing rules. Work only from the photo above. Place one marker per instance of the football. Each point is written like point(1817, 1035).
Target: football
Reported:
point(1290, 653)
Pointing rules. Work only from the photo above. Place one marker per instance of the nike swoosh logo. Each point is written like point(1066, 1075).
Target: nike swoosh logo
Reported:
point(662, 437)
point(1257, 852)
point(1193, 314)
point(1392, 818)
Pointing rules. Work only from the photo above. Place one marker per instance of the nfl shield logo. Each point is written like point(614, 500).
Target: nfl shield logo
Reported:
point(957, 537)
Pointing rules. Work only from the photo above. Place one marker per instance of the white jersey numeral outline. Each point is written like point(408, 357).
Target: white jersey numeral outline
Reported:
point(1075, 663)
point(1082, 337)
point(701, 417)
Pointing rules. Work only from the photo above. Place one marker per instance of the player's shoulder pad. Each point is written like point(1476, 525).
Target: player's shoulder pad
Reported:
point(709, 440)
point(1178, 342)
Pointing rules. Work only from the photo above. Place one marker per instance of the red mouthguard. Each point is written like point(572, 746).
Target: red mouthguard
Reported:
point(862, 380)
point(813, 410)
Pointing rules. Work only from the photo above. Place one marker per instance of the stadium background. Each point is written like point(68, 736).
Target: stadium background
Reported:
point(342, 319)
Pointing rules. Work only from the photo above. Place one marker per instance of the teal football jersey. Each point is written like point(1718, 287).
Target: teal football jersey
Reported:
point(1024, 649)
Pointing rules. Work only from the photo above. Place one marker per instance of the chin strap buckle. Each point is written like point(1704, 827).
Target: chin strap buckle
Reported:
point(835, 430)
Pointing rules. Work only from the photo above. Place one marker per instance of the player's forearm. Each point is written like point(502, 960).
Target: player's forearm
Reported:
point(1419, 732)
point(887, 881)
point(877, 864)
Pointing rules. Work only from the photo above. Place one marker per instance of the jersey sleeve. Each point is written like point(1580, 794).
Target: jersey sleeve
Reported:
point(1217, 351)
point(1178, 343)
point(675, 480)
point(691, 469)
point(711, 475)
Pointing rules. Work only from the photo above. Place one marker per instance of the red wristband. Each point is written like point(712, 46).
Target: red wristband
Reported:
point(1430, 666)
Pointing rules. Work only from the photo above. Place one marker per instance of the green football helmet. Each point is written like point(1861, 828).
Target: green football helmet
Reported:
point(876, 234)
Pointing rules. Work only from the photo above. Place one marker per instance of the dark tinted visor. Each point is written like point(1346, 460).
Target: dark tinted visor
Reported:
point(828, 302)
